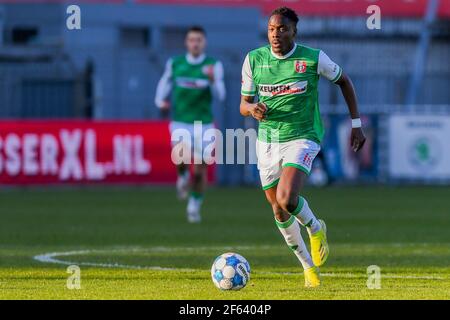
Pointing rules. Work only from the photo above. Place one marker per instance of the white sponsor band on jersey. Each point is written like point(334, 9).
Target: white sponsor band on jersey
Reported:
point(192, 83)
point(270, 90)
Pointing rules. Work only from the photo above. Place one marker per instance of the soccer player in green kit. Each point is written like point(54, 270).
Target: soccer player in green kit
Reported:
point(285, 75)
point(191, 80)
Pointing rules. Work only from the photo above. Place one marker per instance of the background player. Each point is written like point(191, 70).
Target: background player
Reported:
point(192, 78)
point(285, 77)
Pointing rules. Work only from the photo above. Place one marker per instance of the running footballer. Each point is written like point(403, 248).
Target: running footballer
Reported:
point(191, 80)
point(285, 76)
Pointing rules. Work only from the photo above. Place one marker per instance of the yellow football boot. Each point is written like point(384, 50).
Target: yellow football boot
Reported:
point(319, 245)
point(312, 277)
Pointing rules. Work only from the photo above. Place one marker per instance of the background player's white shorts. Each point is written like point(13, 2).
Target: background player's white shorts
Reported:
point(272, 157)
point(194, 139)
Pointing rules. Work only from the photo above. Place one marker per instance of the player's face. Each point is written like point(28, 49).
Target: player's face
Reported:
point(281, 33)
point(195, 43)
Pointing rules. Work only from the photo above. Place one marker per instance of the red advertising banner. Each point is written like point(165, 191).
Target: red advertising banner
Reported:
point(389, 8)
point(42, 152)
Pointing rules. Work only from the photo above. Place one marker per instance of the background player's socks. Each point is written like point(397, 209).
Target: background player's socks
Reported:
point(194, 206)
point(305, 216)
point(183, 185)
point(290, 230)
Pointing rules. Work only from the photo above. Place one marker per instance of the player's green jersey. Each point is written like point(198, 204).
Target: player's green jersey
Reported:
point(186, 77)
point(289, 87)
point(192, 97)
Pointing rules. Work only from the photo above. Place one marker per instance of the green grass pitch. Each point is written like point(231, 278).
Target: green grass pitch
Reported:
point(134, 243)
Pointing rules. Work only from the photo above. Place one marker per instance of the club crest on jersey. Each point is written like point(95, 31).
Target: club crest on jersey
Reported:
point(207, 69)
point(300, 66)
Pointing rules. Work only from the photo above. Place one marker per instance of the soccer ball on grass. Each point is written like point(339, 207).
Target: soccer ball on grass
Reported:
point(230, 271)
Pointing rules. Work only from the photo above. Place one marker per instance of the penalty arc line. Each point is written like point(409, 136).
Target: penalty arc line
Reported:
point(52, 257)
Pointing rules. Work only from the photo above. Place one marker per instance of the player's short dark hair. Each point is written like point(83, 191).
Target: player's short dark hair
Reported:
point(196, 29)
point(287, 13)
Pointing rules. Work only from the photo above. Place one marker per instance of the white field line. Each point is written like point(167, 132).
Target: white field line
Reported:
point(51, 258)
point(54, 257)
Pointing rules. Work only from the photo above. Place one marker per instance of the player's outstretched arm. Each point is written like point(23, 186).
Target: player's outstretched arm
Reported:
point(256, 110)
point(357, 137)
point(216, 75)
point(163, 90)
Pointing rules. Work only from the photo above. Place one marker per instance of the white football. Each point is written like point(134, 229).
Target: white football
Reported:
point(230, 271)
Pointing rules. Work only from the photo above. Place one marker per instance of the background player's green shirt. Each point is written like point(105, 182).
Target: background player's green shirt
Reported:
point(190, 87)
point(289, 87)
